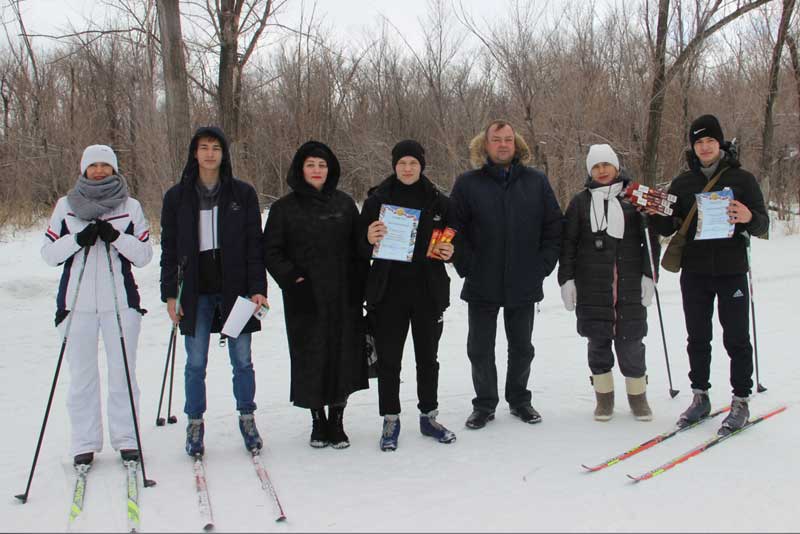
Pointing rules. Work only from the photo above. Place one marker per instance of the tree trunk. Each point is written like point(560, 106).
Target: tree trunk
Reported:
point(228, 68)
point(792, 44)
point(772, 93)
point(177, 95)
point(657, 93)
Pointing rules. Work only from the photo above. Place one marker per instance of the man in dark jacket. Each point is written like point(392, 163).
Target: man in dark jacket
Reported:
point(509, 224)
point(716, 268)
point(211, 229)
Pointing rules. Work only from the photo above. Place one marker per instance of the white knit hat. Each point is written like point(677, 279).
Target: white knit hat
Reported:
point(600, 154)
point(98, 154)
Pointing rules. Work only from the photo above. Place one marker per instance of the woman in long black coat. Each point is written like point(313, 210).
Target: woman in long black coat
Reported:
point(310, 249)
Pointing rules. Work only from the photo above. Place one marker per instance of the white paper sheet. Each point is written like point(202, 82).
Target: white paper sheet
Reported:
point(242, 310)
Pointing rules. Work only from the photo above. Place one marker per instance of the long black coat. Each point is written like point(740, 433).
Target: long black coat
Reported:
point(434, 215)
point(715, 256)
point(239, 231)
point(593, 272)
point(313, 235)
point(510, 233)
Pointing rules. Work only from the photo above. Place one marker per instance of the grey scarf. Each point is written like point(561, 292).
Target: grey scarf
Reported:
point(91, 198)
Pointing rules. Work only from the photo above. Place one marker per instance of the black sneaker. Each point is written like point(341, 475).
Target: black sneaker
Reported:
point(698, 409)
point(85, 458)
point(129, 455)
point(527, 414)
point(478, 419)
point(737, 418)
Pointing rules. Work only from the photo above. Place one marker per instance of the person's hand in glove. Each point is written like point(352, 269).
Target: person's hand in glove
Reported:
point(648, 290)
point(107, 232)
point(569, 294)
point(87, 236)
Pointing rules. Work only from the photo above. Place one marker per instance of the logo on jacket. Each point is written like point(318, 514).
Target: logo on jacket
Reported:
point(235, 206)
point(738, 294)
point(697, 131)
point(437, 218)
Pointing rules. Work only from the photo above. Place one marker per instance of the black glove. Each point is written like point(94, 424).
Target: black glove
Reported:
point(87, 236)
point(300, 296)
point(107, 232)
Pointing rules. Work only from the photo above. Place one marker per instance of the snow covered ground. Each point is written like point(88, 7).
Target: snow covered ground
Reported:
point(506, 477)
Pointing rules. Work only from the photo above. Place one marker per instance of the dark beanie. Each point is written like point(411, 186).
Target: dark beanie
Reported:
point(409, 147)
point(705, 126)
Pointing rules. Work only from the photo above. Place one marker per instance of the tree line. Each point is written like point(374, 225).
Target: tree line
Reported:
point(630, 74)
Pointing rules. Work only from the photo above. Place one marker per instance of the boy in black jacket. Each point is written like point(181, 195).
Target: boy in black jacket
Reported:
point(716, 268)
point(417, 292)
point(211, 223)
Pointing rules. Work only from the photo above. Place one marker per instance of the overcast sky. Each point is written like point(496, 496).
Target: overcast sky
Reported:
point(345, 18)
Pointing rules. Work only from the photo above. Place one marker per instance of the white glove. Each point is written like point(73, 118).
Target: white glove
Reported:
point(569, 295)
point(648, 290)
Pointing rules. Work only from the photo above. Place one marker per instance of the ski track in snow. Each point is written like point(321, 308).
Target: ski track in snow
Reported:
point(506, 477)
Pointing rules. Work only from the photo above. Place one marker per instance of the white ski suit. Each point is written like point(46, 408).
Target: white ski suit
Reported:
point(92, 312)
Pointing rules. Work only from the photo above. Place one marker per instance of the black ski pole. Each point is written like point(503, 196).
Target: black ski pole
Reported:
point(171, 419)
point(147, 483)
point(160, 420)
point(672, 391)
point(23, 497)
point(170, 359)
point(759, 387)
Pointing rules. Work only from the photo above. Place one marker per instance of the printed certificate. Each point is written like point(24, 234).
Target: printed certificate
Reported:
point(712, 215)
point(401, 225)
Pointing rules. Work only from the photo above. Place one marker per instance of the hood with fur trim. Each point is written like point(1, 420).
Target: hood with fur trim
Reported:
point(478, 156)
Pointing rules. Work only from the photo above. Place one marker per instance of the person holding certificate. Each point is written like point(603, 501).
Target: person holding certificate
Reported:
point(715, 266)
point(310, 249)
point(409, 287)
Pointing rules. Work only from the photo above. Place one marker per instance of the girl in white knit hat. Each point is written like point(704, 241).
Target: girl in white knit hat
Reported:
point(96, 233)
point(605, 276)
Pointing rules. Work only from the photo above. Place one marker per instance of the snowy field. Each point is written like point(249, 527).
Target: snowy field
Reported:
point(506, 477)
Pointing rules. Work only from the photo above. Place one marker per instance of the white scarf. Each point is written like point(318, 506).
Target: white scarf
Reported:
point(612, 222)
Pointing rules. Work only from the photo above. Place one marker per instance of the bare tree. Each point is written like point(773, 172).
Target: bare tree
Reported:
point(707, 11)
point(175, 84)
point(772, 93)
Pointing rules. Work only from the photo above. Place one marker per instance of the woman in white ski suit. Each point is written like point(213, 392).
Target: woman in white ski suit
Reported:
point(98, 214)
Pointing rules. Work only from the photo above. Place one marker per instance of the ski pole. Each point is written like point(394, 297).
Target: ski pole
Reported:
point(759, 387)
point(171, 419)
point(672, 391)
point(24, 496)
point(170, 360)
point(147, 483)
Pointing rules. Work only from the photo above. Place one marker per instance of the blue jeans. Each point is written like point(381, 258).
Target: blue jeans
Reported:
point(244, 378)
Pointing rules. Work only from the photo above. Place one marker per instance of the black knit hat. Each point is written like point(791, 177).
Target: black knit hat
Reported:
point(409, 147)
point(705, 126)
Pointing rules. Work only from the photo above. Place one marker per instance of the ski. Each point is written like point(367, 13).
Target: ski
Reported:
point(78, 494)
point(703, 447)
point(651, 442)
point(203, 500)
point(132, 470)
point(266, 483)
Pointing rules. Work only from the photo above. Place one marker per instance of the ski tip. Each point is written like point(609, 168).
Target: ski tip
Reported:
point(633, 478)
point(588, 469)
point(22, 497)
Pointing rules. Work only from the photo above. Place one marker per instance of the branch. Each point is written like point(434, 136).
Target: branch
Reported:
point(704, 34)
